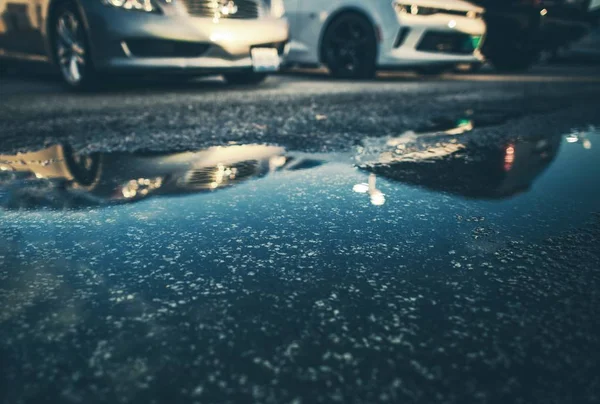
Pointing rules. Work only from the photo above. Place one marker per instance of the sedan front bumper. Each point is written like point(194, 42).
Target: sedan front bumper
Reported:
point(221, 45)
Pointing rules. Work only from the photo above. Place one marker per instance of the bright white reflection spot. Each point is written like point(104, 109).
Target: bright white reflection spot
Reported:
point(375, 195)
point(141, 186)
point(452, 24)
point(377, 198)
point(277, 162)
point(361, 188)
point(543, 12)
point(572, 138)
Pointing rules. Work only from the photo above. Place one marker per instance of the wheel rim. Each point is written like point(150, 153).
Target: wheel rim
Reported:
point(347, 45)
point(85, 169)
point(70, 48)
point(83, 162)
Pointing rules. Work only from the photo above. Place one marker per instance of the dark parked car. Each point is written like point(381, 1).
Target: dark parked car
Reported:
point(520, 30)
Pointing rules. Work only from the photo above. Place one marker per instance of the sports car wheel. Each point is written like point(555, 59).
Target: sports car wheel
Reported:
point(349, 47)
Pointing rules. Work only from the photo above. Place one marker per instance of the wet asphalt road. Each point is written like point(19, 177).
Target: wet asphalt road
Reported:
point(404, 240)
point(304, 112)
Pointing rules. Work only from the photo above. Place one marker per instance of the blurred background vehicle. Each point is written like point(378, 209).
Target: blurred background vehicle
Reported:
point(243, 39)
point(354, 38)
point(587, 49)
point(519, 31)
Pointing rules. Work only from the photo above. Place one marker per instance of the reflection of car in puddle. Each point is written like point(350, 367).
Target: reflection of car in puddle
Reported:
point(432, 157)
point(58, 177)
point(469, 170)
point(418, 142)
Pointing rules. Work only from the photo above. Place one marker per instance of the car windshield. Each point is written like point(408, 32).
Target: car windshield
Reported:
point(298, 202)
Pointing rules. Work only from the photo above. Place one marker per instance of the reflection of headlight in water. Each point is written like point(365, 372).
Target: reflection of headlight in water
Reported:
point(375, 195)
point(140, 187)
point(572, 138)
point(277, 162)
point(361, 188)
point(377, 198)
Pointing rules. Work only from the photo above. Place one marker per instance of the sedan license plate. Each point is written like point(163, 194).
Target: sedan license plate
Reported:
point(265, 59)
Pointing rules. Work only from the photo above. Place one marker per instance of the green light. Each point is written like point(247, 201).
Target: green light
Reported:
point(475, 41)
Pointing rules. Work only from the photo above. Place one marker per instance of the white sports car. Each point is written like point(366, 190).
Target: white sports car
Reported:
point(354, 38)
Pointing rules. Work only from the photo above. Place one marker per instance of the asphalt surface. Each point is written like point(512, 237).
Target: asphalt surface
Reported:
point(306, 112)
point(403, 240)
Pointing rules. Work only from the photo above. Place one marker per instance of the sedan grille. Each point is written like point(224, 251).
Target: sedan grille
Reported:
point(232, 9)
point(220, 176)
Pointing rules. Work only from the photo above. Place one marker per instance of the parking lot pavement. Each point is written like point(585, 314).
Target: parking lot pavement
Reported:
point(403, 240)
point(304, 110)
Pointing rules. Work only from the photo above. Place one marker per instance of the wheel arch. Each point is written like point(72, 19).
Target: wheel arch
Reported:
point(349, 10)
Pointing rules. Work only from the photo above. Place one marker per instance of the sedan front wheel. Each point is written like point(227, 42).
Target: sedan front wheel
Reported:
point(71, 51)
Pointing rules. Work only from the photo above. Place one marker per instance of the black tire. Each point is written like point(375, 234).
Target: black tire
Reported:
point(245, 78)
point(512, 56)
point(66, 22)
point(349, 47)
point(434, 70)
point(468, 68)
point(85, 169)
point(3, 66)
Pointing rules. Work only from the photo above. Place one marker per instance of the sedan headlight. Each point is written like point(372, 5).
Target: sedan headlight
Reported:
point(139, 5)
point(139, 188)
point(277, 8)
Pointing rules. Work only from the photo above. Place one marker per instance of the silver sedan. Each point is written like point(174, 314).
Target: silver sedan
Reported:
point(242, 39)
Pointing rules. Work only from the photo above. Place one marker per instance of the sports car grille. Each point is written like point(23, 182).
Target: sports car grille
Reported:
point(448, 42)
point(234, 9)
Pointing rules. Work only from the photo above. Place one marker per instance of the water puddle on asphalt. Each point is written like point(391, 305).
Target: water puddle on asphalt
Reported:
point(421, 188)
point(174, 273)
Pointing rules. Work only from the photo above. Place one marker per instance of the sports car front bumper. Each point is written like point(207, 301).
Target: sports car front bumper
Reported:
point(440, 38)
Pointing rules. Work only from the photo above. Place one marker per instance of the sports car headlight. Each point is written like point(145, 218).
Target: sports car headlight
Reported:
point(277, 8)
point(414, 9)
point(139, 5)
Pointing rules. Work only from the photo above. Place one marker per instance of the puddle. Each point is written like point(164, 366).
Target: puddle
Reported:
point(469, 171)
point(250, 263)
point(56, 177)
point(419, 181)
